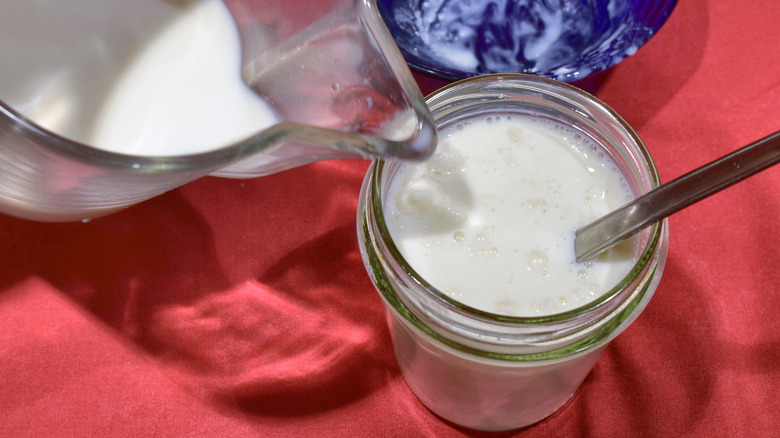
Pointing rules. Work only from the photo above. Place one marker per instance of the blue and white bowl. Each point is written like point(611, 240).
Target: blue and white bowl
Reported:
point(565, 40)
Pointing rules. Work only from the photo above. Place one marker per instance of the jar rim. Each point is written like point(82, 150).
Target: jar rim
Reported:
point(375, 202)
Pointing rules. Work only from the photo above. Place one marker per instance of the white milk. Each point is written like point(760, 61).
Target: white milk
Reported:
point(141, 77)
point(183, 92)
point(490, 219)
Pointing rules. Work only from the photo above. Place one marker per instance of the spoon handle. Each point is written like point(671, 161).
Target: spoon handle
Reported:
point(675, 195)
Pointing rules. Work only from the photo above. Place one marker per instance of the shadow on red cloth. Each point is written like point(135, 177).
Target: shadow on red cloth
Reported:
point(106, 264)
point(289, 349)
point(231, 305)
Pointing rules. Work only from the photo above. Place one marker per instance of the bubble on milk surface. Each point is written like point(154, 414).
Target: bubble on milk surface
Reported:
point(537, 260)
point(446, 163)
point(563, 39)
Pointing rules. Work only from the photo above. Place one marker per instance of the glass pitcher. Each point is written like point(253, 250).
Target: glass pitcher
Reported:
point(106, 103)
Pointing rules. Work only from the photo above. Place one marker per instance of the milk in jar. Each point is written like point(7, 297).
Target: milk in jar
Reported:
point(490, 219)
point(494, 324)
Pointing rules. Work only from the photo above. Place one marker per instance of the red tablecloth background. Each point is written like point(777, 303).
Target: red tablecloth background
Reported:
point(241, 308)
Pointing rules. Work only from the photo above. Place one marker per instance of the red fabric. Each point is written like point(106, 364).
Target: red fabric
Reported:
point(236, 308)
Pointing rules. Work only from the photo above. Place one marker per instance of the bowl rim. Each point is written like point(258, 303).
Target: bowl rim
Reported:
point(654, 14)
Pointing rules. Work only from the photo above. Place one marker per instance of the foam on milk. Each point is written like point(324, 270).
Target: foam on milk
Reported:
point(490, 218)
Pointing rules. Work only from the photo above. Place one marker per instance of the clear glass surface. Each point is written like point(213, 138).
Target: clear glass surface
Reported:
point(495, 372)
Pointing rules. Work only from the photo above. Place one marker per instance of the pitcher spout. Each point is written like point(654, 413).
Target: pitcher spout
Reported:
point(337, 80)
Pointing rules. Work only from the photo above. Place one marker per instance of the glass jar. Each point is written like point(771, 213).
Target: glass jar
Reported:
point(489, 371)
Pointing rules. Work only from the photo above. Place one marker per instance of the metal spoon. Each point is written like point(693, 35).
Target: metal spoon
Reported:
point(611, 229)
